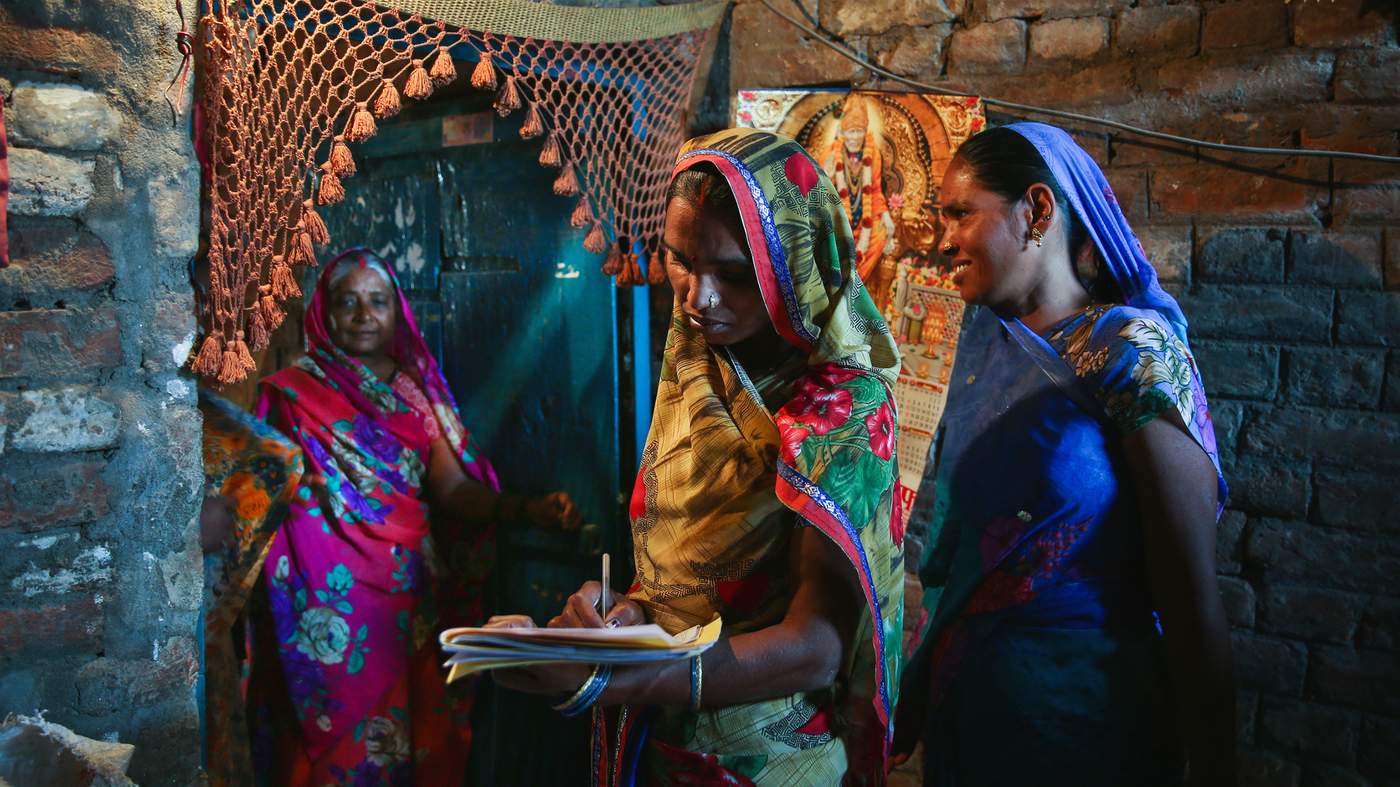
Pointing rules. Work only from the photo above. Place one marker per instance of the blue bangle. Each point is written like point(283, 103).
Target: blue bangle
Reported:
point(697, 674)
point(588, 693)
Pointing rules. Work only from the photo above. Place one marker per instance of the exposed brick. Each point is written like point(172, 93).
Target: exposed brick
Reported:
point(1269, 313)
point(48, 492)
point(1212, 192)
point(1359, 128)
point(65, 419)
point(1296, 550)
point(1258, 768)
point(1358, 495)
point(1328, 435)
point(1245, 370)
point(989, 48)
point(1101, 85)
point(65, 566)
point(52, 629)
point(1240, 255)
point(1246, 712)
point(1350, 259)
point(1261, 486)
point(1049, 9)
point(49, 184)
point(1378, 757)
point(1316, 774)
point(1229, 541)
point(1336, 377)
point(1369, 318)
point(768, 52)
point(1229, 418)
point(1364, 678)
point(53, 343)
point(1359, 202)
point(1307, 727)
point(1170, 29)
point(1169, 250)
point(1237, 597)
point(1310, 613)
point(1367, 76)
point(62, 116)
point(52, 255)
point(54, 50)
point(864, 17)
point(1392, 259)
point(1343, 23)
point(105, 684)
point(1380, 624)
point(1244, 81)
point(1392, 381)
point(1251, 23)
point(916, 51)
point(1268, 663)
point(1069, 39)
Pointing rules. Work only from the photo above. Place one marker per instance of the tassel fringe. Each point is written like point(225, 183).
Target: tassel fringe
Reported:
point(315, 225)
point(566, 185)
point(533, 127)
point(361, 124)
point(341, 161)
point(613, 264)
point(656, 275)
point(443, 71)
point(582, 215)
point(245, 358)
point(271, 312)
point(257, 329)
point(549, 156)
point(231, 369)
point(387, 103)
point(207, 361)
point(303, 253)
point(595, 241)
point(330, 191)
point(419, 85)
point(284, 284)
point(484, 75)
point(509, 98)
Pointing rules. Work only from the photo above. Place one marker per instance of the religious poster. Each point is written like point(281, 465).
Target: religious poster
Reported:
point(886, 153)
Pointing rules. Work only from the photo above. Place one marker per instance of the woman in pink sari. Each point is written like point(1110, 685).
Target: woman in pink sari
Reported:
point(346, 687)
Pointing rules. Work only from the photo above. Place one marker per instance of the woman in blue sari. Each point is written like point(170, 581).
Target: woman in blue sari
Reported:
point(1076, 632)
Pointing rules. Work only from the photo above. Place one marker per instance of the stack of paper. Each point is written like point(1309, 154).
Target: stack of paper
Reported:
point(474, 649)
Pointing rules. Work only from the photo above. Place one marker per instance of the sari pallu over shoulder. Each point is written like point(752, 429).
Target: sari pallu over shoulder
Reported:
point(731, 462)
point(352, 590)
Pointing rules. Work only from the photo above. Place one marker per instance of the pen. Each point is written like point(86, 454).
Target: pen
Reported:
point(603, 605)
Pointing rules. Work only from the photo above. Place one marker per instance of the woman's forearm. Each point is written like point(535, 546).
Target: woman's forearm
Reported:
point(773, 662)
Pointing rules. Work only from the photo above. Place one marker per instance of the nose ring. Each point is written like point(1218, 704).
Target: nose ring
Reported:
point(947, 248)
point(712, 300)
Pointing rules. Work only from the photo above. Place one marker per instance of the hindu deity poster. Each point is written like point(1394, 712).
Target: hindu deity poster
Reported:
point(886, 153)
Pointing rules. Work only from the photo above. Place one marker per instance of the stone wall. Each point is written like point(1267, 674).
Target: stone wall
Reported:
point(100, 480)
point(1291, 280)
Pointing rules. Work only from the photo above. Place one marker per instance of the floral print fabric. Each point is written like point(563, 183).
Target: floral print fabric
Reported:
point(347, 678)
point(733, 462)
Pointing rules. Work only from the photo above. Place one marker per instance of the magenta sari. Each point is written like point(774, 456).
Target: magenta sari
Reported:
point(347, 688)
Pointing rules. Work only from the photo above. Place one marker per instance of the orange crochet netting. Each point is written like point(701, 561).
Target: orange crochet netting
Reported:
point(287, 86)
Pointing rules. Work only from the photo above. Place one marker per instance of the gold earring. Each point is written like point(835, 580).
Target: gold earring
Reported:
point(1037, 236)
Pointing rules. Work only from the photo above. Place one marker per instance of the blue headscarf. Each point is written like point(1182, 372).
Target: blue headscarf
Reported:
point(1088, 192)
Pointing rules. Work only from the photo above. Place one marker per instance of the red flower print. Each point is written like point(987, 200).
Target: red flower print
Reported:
point(827, 376)
point(798, 169)
point(638, 506)
point(820, 410)
point(881, 426)
point(792, 435)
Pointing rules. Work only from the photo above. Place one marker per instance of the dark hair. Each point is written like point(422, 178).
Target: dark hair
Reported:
point(1007, 164)
point(703, 187)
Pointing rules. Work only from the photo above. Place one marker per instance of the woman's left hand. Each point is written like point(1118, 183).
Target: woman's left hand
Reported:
point(554, 510)
point(561, 679)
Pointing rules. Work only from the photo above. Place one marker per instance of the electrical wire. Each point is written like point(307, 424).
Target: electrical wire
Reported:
point(848, 53)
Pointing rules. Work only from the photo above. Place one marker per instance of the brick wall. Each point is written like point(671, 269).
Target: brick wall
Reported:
point(1291, 280)
point(100, 571)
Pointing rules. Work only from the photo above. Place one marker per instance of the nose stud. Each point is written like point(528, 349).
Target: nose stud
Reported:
point(947, 248)
point(712, 300)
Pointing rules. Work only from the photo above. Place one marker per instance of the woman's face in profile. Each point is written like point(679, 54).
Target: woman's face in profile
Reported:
point(981, 240)
point(712, 275)
point(362, 313)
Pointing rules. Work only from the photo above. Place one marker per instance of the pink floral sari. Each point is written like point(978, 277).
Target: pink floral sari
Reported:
point(346, 686)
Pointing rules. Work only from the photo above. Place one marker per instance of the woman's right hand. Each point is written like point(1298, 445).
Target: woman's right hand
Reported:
point(581, 610)
point(554, 510)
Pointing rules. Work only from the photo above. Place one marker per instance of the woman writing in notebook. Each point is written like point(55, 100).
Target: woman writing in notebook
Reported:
point(766, 496)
